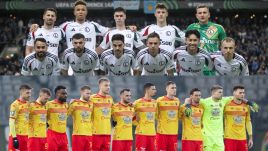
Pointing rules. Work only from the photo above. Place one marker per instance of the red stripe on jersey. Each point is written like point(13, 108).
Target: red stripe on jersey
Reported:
point(33, 35)
point(146, 32)
point(64, 28)
point(107, 38)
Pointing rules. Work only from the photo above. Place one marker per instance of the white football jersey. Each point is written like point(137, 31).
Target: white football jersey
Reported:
point(52, 36)
point(168, 35)
point(236, 67)
point(83, 65)
point(115, 66)
point(131, 39)
point(157, 65)
point(33, 66)
point(191, 65)
point(89, 29)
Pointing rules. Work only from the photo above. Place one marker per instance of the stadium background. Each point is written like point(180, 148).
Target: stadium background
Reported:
point(246, 21)
point(256, 90)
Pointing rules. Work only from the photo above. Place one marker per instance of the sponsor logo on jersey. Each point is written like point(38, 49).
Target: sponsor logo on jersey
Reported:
point(84, 114)
point(62, 116)
point(171, 114)
point(207, 41)
point(165, 43)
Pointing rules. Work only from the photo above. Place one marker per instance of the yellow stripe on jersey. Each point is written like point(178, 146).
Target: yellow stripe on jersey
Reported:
point(237, 118)
point(122, 115)
point(167, 115)
point(37, 120)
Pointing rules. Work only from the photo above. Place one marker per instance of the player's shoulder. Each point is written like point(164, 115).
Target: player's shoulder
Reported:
point(161, 98)
point(29, 58)
point(216, 25)
point(129, 52)
point(52, 56)
point(91, 52)
point(204, 52)
point(107, 53)
point(142, 52)
point(165, 52)
point(193, 26)
point(68, 51)
point(15, 103)
point(240, 58)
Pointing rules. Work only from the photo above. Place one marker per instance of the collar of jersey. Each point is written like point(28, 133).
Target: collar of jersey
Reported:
point(204, 25)
point(22, 101)
point(82, 100)
point(167, 98)
point(101, 95)
point(146, 100)
point(57, 101)
point(122, 104)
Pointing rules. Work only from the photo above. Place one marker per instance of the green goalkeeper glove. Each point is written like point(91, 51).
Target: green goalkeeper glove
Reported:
point(188, 110)
point(253, 106)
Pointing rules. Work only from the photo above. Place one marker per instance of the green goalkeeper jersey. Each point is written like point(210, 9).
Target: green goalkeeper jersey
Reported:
point(212, 119)
point(211, 35)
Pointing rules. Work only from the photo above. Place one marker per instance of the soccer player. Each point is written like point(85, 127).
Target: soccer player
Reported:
point(81, 59)
point(168, 33)
point(123, 113)
point(237, 122)
point(57, 119)
point(48, 31)
point(145, 115)
point(190, 59)
point(37, 122)
point(19, 120)
point(211, 33)
point(131, 39)
point(154, 60)
point(191, 126)
point(227, 62)
point(40, 62)
point(102, 105)
point(118, 60)
point(167, 119)
point(81, 111)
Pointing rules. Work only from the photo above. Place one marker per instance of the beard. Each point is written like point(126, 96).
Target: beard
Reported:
point(79, 50)
point(40, 54)
point(62, 99)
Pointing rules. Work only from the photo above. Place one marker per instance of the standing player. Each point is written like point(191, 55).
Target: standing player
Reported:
point(37, 122)
point(154, 60)
point(168, 119)
point(102, 105)
point(211, 33)
point(40, 62)
point(118, 60)
point(57, 119)
point(227, 62)
point(19, 120)
point(191, 126)
point(237, 123)
point(53, 35)
point(81, 59)
point(168, 33)
point(81, 111)
point(145, 113)
point(122, 113)
point(190, 59)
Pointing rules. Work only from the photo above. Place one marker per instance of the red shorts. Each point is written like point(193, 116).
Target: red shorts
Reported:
point(192, 145)
point(37, 144)
point(23, 140)
point(144, 142)
point(166, 142)
point(101, 142)
point(56, 141)
point(119, 145)
point(80, 142)
point(235, 145)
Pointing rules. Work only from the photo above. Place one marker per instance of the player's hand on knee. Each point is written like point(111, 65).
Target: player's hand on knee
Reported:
point(34, 27)
point(15, 143)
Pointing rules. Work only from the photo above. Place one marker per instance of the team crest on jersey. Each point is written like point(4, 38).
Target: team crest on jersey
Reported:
point(237, 119)
point(171, 114)
point(49, 66)
point(55, 35)
point(161, 63)
point(43, 117)
point(62, 116)
point(211, 31)
point(29, 37)
point(105, 111)
point(168, 33)
point(233, 69)
point(127, 119)
point(196, 120)
point(128, 35)
point(87, 29)
point(84, 114)
point(149, 115)
point(86, 62)
point(215, 112)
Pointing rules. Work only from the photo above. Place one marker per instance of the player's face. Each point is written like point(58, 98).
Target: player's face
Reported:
point(153, 45)
point(126, 96)
point(239, 94)
point(105, 87)
point(79, 45)
point(26, 94)
point(203, 15)
point(80, 12)
point(228, 48)
point(44, 98)
point(152, 91)
point(218, 93)
point(192, 43)
point(40, 49)
point(196, 96)
point(119, 18)
point(171, 89)
point(62, 95)
point(161, 15)
point(49, 18)
point(86, 94)
point(118, 47)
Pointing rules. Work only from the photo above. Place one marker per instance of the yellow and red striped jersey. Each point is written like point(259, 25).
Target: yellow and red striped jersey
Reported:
point(102, 106)
point(37, 120)
point(237, 119)
point(19, 110)
point(81, 112)
point(167, 115)
point(145, 111)
point(57, 115)
point(122, 115)
point(192, 126)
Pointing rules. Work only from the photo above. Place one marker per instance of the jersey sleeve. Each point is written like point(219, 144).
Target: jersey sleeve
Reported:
point(13, 111)
point(70, 109)
point(65, 62)
point(226, 99)
point(133, 61)
point(56, 67)
point(180, 35)
point(64, 25)
point(245, 71)
point(105, 44)
point(25, 68)
point(143, 33)
point(138, 64)
point(100, 30)
point(30, 39)
point(170, 63)
point(248, 122)
point(137, 42)
point(222, 33)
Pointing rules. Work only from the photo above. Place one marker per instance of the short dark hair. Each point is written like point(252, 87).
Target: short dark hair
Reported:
point(40, 39)
point(147, 86)
point(78, 36)
point(59, 87)
point(215, 87)
point(50, 9)
point(238, 87)
point(103, 79)
point(80, 2)
point(45, 90)
point(194, 90)
point(161, 6)
point(192, 32)
point(119, 9)
point(170, 83)
point(85, 87)
point(118, 37)
point(202, 6)
point(25, 87)
point(123, 90)
point(153, 35)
